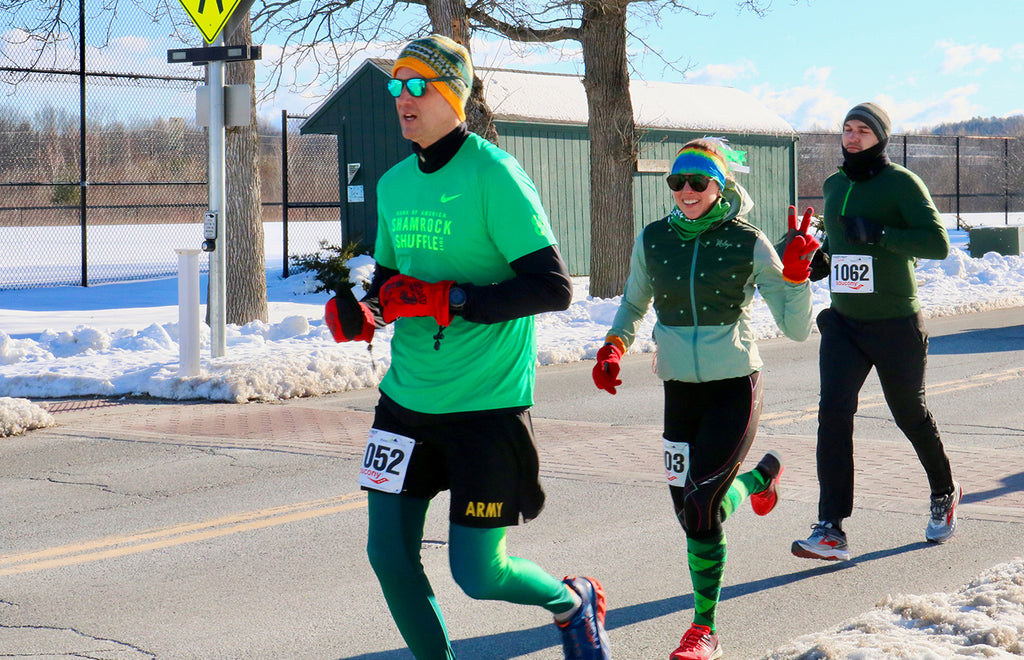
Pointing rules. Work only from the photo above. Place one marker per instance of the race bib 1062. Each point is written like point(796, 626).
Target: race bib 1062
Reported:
point(385, 461)
point(852, 273)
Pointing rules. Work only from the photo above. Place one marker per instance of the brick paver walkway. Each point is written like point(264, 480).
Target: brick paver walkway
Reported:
point(889, 477)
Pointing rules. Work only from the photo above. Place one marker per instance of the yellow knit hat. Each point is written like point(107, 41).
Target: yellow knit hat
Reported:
point(438, 56)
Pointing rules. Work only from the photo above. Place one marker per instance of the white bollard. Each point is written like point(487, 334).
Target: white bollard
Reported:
point(188, 312)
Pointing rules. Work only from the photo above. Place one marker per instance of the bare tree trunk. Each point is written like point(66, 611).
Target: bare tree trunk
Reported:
point(448, 17)
point(246, 276)
point(479, 117)
point(613, 145)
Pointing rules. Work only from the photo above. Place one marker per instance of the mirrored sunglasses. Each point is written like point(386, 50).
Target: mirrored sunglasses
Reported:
point(698, 182)
point(416, 86)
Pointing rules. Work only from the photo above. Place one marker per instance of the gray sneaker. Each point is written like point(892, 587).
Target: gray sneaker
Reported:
point(826, 542)
point(942, 524)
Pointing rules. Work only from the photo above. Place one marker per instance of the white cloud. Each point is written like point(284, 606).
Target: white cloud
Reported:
point(134, 44)
point(21, 49)
point(818, 74)
point(722, 74)
point(814, 106)
point(953, 105)
point(818, 106)
point(957, 57)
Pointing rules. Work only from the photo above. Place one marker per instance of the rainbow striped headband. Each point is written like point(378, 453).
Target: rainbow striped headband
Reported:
point(693, 160)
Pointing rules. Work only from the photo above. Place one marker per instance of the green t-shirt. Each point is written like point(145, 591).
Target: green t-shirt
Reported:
point(465, 222)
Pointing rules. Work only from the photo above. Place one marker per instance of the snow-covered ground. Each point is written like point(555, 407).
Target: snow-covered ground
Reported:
point(122, 339)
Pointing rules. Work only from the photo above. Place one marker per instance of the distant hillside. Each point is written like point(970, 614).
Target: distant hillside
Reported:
point(993, 126)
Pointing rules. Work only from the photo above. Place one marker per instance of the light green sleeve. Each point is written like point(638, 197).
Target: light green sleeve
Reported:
point(636, 297)
point(790, 304)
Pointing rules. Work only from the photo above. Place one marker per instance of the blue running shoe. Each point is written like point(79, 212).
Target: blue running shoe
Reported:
point(583, 636)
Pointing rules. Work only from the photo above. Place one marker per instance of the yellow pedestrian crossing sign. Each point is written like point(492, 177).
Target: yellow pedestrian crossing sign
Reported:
point(209, 15)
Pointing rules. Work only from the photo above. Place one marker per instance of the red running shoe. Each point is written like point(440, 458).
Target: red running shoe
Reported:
point(699, 643)
point(771, 468)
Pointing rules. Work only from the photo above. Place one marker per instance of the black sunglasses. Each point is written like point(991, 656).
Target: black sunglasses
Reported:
point(416, 86)
point(698, 182)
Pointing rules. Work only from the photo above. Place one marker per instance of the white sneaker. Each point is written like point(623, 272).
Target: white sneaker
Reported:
point(942, 524)
point(826, 542)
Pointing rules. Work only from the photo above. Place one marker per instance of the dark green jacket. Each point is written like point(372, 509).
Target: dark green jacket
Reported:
point(703, 293)
point(897, 199)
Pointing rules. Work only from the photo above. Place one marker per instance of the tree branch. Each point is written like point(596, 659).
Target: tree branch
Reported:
point(522, 32)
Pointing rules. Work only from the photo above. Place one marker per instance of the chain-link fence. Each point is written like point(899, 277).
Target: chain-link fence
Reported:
point(103, 168)
point(309, 191)
point(966, 176)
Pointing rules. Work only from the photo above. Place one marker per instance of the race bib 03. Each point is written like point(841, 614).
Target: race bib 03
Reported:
point(852, 273)
point(385, 461)
point(677, 462)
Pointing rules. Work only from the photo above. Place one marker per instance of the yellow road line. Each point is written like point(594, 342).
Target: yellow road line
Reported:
point(879, 400)
point(119, 546)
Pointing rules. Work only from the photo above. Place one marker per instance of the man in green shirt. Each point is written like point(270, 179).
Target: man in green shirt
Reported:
point(465, 259)
point(879, 219)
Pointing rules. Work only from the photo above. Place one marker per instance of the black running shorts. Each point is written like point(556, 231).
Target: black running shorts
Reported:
point(487, 460)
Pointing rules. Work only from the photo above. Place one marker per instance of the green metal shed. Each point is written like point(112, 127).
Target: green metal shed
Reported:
point(550, 139)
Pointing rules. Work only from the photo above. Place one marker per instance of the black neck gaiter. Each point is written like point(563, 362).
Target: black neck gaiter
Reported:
point(863, 165)
point(437, 155)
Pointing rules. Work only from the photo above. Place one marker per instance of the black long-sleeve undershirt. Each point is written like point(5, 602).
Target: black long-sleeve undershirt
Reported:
point(541, 284)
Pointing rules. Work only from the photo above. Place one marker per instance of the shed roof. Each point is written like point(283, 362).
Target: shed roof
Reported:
point(516, 95)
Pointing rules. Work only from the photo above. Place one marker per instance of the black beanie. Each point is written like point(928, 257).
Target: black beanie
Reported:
point(875, 117)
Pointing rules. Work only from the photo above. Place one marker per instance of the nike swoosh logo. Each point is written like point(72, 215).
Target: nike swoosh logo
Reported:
point(447, 198)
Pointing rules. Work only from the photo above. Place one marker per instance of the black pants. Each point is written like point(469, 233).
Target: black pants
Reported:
point(719, 421)
point(898, 350)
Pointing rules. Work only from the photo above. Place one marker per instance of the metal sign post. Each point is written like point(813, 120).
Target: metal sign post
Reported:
point(218, 193)
point(211, 19)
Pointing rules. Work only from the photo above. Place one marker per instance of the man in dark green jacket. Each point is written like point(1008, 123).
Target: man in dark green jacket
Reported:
point(879, 219)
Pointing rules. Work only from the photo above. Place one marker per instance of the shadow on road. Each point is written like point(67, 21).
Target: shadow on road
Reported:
point(1010, 484)
point(985, 340)
point(522, 642)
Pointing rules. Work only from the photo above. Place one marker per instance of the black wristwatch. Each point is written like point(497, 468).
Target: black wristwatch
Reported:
point(456, 299)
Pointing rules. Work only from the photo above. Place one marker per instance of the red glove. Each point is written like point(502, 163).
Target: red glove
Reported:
point(796, 260)
point(348, 320)
point(606, 371)
point(404, 296)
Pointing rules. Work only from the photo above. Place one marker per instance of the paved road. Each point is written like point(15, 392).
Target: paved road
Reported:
point(200, 530)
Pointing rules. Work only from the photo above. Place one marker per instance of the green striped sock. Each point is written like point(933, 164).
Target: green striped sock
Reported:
point(706, 558)
point(742, 487)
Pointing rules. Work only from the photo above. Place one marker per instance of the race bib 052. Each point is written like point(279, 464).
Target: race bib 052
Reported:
point(385, 461)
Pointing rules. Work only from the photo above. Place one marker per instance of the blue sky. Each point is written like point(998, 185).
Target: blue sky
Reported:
point(811, 60)
point(926, 62)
